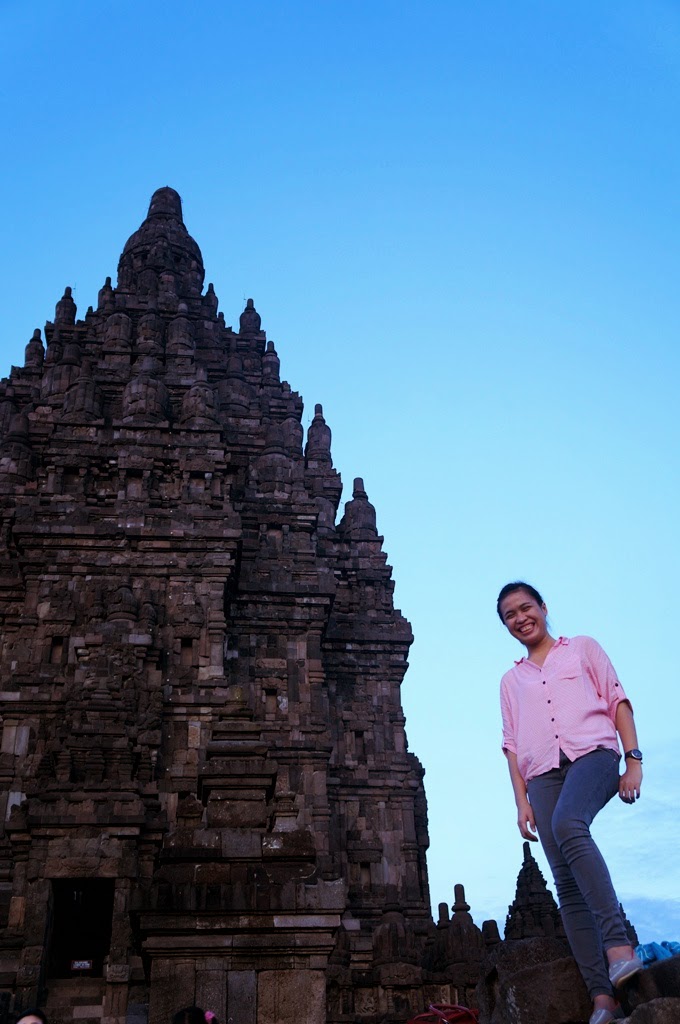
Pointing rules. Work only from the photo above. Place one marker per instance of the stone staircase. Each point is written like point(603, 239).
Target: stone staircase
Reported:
point(75, 1001)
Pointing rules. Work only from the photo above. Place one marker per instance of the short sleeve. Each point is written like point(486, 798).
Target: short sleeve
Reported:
point(603, 675)
point(509, 740)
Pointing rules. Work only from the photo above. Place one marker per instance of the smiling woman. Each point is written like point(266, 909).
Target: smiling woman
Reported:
point(519, 601)
point(562, 707)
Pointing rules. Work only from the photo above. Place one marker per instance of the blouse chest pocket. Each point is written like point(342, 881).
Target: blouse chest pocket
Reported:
point(572, 682)
point(568, 671)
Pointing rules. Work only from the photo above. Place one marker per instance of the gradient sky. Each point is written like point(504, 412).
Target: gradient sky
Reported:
point(460, 225)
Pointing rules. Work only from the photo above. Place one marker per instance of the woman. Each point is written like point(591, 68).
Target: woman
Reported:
point(562, 707)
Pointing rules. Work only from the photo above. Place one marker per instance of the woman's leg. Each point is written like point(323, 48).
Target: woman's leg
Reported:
point(590, 783)
point(580, 927)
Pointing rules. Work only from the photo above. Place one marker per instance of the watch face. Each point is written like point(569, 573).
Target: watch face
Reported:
point(635, 753)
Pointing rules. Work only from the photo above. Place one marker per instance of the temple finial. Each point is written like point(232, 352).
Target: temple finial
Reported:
point(65, 312)
point(35, 351)
point(250, 320)
point(318, 446)
point(167, 202)
point(271, 364)
point(460, 903)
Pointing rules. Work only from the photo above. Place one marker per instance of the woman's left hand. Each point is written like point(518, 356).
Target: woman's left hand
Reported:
point(630, 782)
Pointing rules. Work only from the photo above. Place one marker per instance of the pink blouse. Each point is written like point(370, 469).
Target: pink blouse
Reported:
point(569, 703)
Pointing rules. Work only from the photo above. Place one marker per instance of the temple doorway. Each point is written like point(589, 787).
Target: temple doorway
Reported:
point(81, 926)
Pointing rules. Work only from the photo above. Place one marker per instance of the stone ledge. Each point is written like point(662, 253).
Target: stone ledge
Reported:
point(657, 981)
point(658, 1011)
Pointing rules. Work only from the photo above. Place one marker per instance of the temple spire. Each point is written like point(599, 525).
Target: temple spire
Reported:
point(161, 261)
point(533, 912)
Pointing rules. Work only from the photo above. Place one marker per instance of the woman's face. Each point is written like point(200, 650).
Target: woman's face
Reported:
point(524, 617)
point(30, 1018)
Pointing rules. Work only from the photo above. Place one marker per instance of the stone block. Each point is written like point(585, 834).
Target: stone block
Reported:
point(17, 907)
point(28, 975)
point(242, 997)
point(665, 1010)
point(551, 990)
point(117, 973)
point(211, 990)
point(235, 814)
point(289, 997)
point(173, 986)
point(399, 974)
point(137, 1013)
point(241, 843)
point(211, 874)
point(299, 843)
point(321, 895)
point(657, 980)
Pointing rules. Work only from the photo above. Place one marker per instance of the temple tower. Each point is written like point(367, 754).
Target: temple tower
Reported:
point(533, 912)
point(207, 789)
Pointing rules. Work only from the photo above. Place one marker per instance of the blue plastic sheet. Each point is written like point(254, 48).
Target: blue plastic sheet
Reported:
point(651, 952)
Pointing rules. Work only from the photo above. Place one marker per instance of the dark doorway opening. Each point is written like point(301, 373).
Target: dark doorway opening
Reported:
point(81, 926)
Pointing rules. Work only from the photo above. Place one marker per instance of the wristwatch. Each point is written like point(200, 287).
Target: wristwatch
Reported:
point(634, 753)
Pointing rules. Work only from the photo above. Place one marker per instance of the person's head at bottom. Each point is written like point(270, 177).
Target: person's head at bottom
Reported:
point(32, 1016)
point(194, 1015)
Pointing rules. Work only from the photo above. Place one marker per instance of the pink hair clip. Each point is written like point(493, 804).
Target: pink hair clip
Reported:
point(209, 1015)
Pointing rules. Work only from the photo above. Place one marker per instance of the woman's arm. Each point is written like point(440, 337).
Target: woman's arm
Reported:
point(525, 815)
point(631, 780)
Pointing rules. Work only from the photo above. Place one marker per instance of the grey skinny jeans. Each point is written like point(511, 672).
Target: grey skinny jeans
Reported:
point(564, 801)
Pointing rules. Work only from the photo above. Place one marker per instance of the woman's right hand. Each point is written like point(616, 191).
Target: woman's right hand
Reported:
point(525, 821)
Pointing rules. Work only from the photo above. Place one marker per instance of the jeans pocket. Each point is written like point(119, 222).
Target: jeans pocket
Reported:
point(614, 753)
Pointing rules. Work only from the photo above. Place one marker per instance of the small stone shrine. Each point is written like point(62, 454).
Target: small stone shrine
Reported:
point(207, 792)
point(533, 912)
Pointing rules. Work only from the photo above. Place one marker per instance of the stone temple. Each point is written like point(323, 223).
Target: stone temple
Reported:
point(207, 790)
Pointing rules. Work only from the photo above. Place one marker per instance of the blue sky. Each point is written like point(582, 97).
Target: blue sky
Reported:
point(460, 225)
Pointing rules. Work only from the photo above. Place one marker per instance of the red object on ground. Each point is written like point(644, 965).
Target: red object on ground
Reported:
point(438, 1012)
